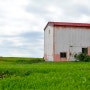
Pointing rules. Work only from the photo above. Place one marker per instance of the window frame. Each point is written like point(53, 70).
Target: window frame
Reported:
point(63, 55)
point(85, 50)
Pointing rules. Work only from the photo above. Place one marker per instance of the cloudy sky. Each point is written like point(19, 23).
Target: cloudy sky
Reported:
point(22, 23)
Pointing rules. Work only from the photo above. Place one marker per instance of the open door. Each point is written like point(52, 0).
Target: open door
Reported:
point(73, 51)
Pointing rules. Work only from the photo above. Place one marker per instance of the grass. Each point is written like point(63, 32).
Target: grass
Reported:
point(35, 74)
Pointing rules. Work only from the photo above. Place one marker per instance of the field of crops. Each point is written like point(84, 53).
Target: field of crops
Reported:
point(35, 74)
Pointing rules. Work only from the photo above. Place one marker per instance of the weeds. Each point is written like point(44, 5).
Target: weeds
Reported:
point(21, 74)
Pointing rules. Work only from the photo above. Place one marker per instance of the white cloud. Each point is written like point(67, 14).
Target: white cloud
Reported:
point(19, 46)
point(22, 53)
point(15, 19)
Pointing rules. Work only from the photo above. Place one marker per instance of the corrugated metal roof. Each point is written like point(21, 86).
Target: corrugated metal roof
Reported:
point(68, 24)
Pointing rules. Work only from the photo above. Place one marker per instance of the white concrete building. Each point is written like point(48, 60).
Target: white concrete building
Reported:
point(62, 40)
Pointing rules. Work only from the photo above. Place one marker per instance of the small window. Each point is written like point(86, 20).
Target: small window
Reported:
point(49, 31)
point(63, 54)
point(84, 50)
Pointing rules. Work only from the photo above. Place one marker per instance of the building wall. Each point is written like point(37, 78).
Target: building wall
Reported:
point(48, 43)
point(70, 40)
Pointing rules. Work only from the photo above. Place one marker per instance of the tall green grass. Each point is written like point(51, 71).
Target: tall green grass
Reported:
point(35, 74)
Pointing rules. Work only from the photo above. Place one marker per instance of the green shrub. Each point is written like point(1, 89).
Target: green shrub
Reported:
point(82, 57)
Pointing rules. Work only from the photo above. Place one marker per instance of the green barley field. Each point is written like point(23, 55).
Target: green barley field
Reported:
point(35, 74)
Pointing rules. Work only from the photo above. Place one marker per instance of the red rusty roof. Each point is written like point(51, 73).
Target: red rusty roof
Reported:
point(68, 24)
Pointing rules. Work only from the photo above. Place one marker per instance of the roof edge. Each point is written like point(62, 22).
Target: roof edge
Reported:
point(51, 23)
point(68, 24)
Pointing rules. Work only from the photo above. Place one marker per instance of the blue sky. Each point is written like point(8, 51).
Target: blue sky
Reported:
point(22, 23)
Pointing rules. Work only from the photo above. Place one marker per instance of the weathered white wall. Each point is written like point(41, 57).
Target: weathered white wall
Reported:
point(71, 36)
point(48, 43)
